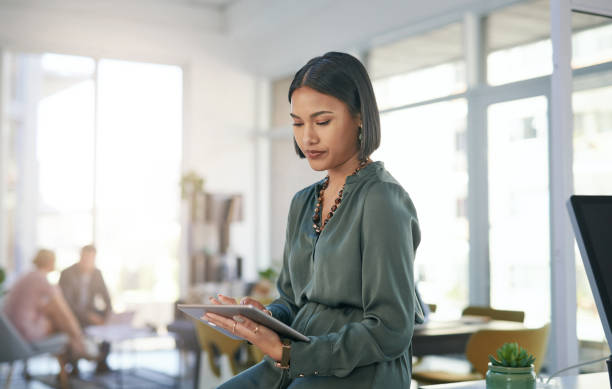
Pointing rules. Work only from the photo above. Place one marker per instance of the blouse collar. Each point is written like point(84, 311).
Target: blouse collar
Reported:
point(367, 171)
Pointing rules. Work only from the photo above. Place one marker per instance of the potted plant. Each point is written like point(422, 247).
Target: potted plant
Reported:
point(512, 370)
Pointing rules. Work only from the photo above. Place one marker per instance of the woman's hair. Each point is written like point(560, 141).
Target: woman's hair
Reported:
point(44, 258)
point(342, 76)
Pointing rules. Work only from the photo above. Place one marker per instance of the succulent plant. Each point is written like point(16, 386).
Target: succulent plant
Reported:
point(511, 355)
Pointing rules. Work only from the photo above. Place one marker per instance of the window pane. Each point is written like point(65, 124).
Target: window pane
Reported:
point(518, 42)
point(592, 175)
point(592, 40)
point(518, 207)
point(138, 194)
point(420, 85)
point(419, 67)
point(519, 45)
point(424, 149)
point(64, 150)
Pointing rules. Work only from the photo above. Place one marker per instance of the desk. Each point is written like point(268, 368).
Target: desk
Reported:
point(583, 381)
point(451, 337)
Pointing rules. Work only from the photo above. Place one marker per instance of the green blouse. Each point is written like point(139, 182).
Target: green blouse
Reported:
point(351, 289)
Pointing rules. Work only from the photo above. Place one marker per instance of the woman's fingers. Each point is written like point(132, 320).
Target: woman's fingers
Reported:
point(238, 325)
point(227, 300)
point(253, 302)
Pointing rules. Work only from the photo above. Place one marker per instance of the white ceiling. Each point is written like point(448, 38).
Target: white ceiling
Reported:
point(272, 38)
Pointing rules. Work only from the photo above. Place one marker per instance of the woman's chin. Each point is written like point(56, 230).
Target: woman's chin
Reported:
point(317, 165)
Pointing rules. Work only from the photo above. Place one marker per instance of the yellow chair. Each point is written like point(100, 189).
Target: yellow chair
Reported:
point(217, 346)
point(484, 343)
point(495, 314)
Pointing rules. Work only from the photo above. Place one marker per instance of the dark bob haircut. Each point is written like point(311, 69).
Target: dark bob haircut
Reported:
point(342, 76)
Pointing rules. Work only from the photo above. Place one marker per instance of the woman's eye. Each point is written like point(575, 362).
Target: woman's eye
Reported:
point(298, 124)
point(324, 123)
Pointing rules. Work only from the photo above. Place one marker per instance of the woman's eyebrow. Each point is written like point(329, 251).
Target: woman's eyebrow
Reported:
point(312, 115)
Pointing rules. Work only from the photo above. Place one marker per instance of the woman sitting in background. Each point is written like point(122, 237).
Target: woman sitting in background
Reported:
point(38, 309)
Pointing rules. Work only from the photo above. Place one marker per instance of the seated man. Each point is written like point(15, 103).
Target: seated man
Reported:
point(86, 293)
point(37, 309)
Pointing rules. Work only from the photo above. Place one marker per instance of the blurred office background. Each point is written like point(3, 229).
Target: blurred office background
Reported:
point(107, 106)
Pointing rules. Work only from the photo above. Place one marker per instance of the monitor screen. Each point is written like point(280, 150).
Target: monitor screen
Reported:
point(592, 221)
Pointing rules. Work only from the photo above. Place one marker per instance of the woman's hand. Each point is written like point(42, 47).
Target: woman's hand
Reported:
point(262, 337)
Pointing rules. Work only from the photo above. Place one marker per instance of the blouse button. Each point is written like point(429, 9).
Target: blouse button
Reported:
point(316, 373)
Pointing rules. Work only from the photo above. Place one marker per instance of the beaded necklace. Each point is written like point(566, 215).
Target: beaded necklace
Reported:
point(316, 217)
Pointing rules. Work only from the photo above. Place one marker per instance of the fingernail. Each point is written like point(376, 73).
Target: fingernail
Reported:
point(210, 323)
point(238, 319)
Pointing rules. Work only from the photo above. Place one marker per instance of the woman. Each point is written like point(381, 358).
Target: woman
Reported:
point(37, 309)
point(347, 278)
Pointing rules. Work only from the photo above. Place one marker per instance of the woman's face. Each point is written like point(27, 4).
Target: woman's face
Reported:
point(323, 128)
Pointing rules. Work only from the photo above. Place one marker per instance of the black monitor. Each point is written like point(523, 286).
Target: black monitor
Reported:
point(592, 221)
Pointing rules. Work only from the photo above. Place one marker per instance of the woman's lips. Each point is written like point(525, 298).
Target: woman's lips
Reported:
point(314, 154)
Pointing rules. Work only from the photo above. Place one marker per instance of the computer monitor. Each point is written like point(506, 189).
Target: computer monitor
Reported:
point(591, 218)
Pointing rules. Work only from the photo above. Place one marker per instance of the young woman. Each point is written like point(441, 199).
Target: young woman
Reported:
point(347, 278)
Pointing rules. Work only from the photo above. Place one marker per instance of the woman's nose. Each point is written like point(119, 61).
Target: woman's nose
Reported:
point(309, 136)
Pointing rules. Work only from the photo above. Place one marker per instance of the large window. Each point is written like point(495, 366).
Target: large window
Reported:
point(106, 139)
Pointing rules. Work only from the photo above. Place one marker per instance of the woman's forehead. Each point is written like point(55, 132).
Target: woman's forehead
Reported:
point(305, 100)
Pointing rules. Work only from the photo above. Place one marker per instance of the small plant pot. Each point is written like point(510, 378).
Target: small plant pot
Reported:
point(500, 377)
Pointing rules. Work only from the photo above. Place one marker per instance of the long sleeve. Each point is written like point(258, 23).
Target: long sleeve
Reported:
point(284, 308)
point(389, 236)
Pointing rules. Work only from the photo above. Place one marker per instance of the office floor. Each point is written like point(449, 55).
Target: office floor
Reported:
point(153, 365)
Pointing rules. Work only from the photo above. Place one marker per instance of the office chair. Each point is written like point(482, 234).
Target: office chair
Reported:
point(15, 348)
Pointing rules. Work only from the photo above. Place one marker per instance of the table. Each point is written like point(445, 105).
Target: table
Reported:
point(451, 337)
point(583, 381)
point(115, 333)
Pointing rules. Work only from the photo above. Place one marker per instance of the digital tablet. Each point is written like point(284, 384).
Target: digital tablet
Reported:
point(249, 311)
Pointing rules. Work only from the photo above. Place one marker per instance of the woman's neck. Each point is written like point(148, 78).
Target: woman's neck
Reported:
point(337, 175)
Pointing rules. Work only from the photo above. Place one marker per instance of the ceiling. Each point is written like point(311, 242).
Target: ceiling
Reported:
point(218, 4)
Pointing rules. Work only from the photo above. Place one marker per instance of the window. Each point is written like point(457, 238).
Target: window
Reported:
point(105, 140)
point(518, 207)
point(519, 42)
point(419, 149)
point(424, 148)
point(65, 155)
point(418, 68)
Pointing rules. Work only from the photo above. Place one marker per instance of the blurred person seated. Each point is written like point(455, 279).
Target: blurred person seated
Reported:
point(85, 291)
point(38, 309)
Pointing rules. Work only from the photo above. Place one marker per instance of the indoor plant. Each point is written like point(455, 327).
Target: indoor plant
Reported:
point(512, 370)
